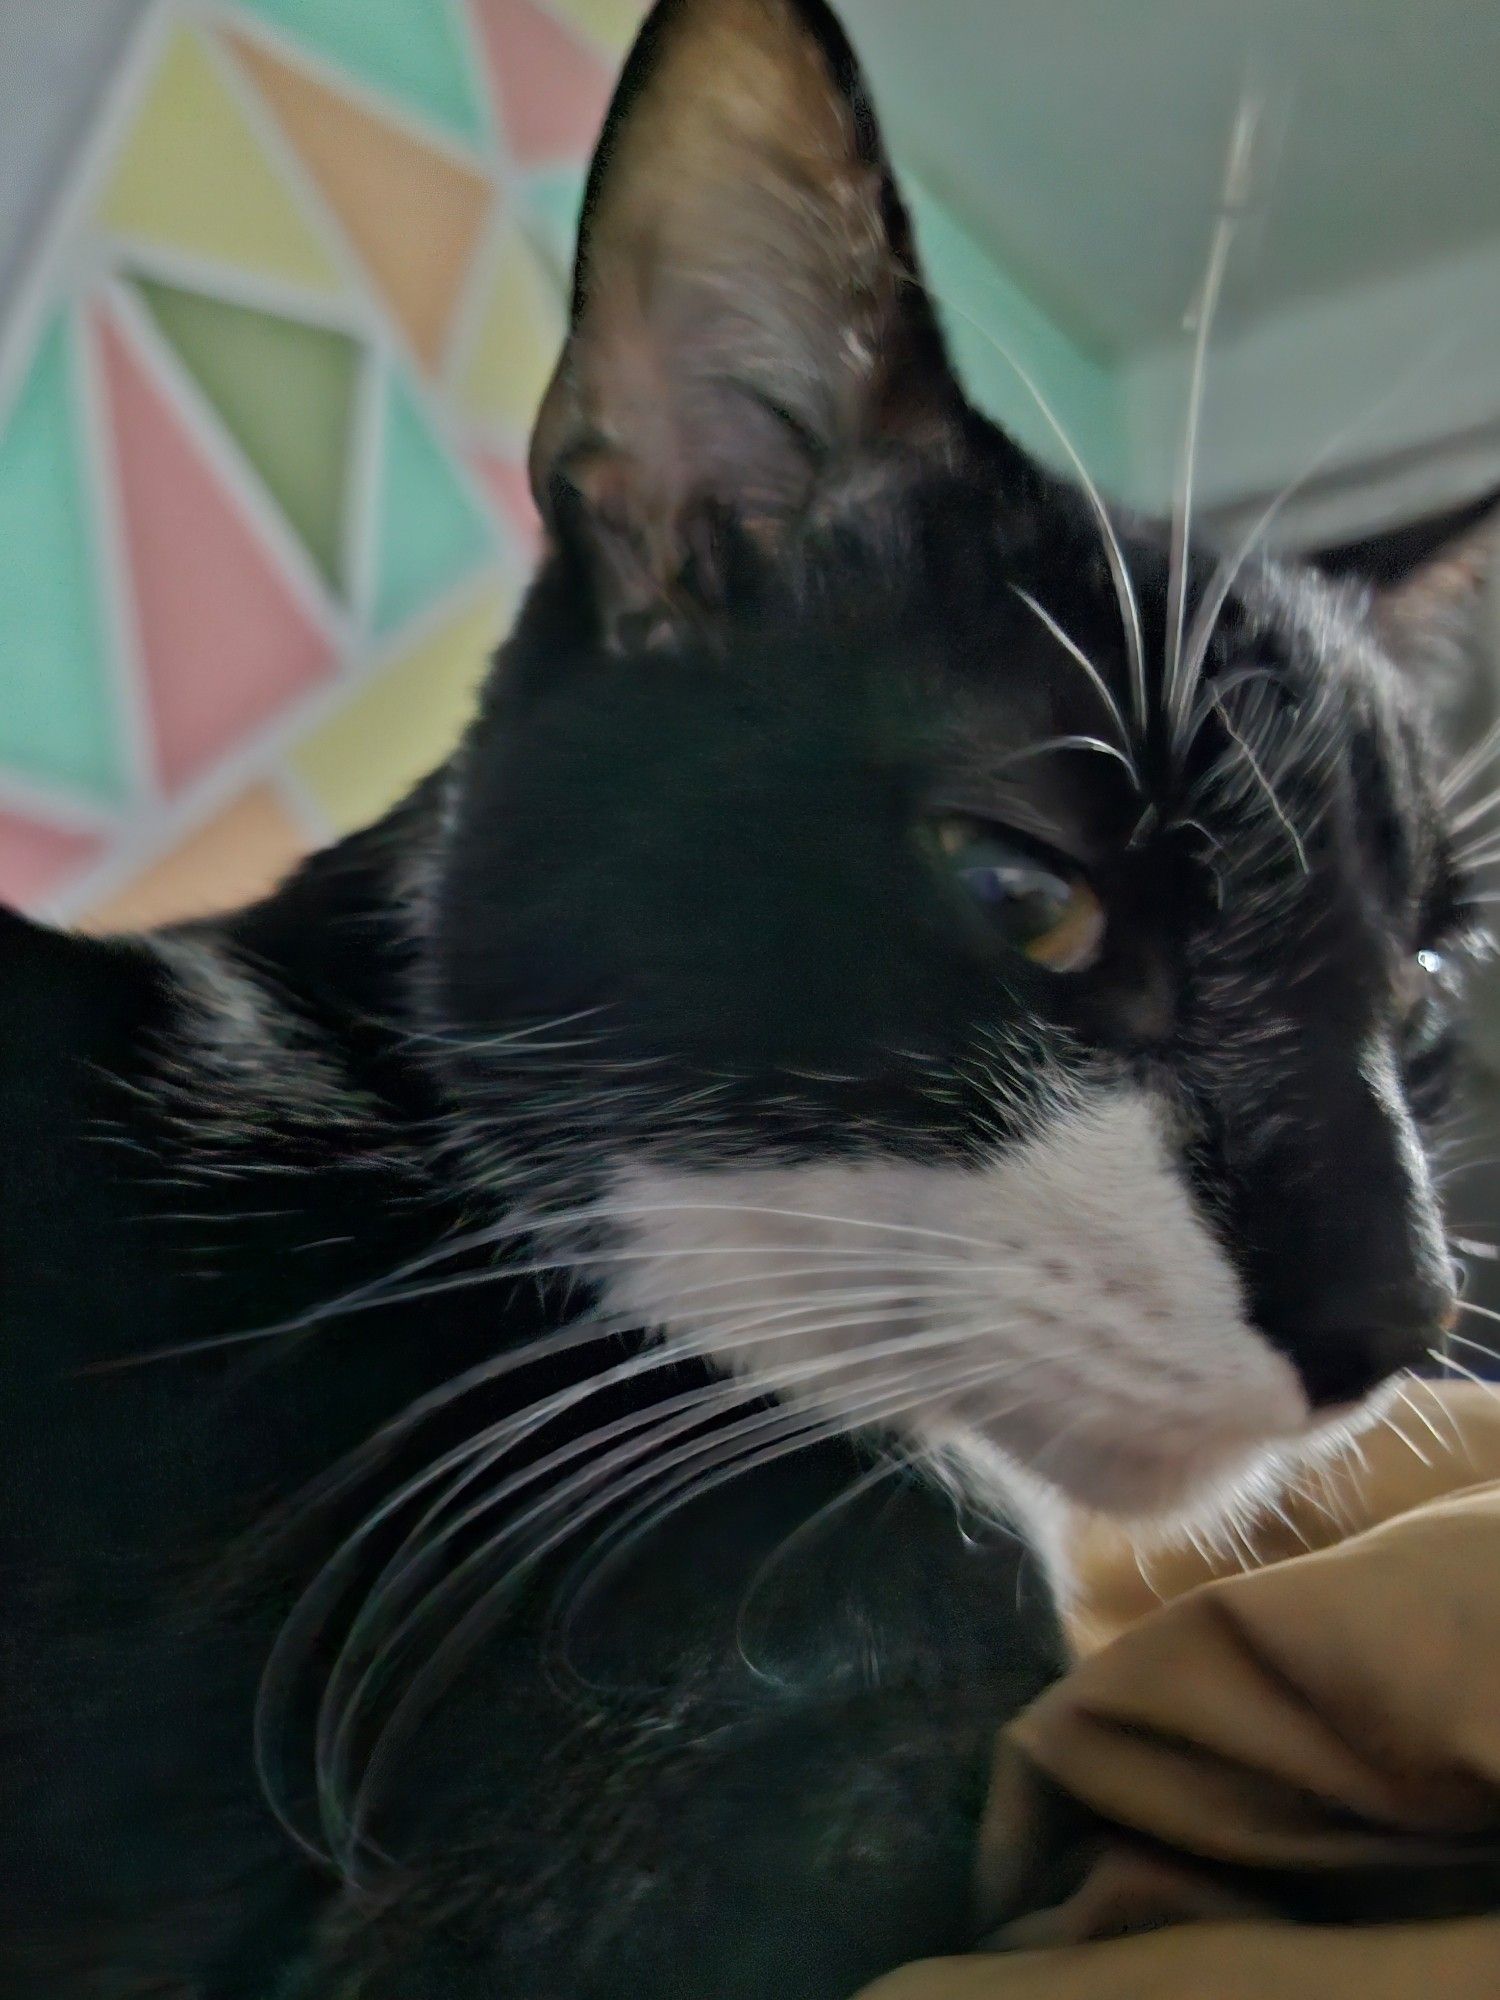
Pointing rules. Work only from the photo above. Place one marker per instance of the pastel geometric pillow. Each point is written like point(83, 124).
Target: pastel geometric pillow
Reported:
point(263, 411)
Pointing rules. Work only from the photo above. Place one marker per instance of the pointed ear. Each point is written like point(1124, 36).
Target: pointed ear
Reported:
point(746, 310)
point(1432, 620)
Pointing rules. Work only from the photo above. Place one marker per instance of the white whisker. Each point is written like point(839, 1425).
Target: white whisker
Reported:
point(1266, 786)
point(1233, 202)
point(1095, 744)
point(1114, 552)
point(1472, 815)
point(1230, 566)
point(1468, 767)
point(347, 1840)
point(1469, 1375)
point(1471, 1246)
point(1076, 653)
point(1460, 1442)
point(1403, 1396)
point(659, 1504)
point(1388, 1422)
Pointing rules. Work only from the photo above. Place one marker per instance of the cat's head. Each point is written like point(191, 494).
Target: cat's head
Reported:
point(985, 998)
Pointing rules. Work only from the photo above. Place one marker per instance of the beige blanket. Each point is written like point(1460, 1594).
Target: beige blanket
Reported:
point(1269, 1783)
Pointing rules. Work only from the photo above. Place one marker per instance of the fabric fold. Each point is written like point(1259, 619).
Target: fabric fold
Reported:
point(1283, 1780)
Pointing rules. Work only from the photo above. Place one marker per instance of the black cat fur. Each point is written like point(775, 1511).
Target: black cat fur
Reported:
point(748, 1766)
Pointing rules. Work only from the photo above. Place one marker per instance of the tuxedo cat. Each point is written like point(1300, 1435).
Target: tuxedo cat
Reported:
point(542, 1363)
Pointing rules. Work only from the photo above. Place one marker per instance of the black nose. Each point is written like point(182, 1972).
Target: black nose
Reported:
point(1348, 1344)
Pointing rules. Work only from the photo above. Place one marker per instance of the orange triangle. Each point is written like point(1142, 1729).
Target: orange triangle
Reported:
point(414, 215)
point(240, 855)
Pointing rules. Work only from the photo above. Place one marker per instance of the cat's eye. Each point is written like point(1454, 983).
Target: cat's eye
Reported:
point(1041, 906)
point(1423, 982)
point(1427, 990)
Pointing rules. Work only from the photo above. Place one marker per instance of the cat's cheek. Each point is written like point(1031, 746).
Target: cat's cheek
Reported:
point(1154, 1388)
point(1062, 1308)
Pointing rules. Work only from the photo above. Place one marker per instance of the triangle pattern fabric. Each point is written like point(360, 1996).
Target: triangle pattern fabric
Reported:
point(193, 175)
point(613, 24)
point(37, 859)
point(517, 339)
point(509, 486)
point(225, 643)
point(406, 720)
point(238, 856)
point(414, 215)
point(430, 531)
point(551, 201)
point(286, 392)
point(58, 715)
point(551, 88)
point(410, 50)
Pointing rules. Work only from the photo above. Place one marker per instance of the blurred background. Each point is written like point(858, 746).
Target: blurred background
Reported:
point(281, 282)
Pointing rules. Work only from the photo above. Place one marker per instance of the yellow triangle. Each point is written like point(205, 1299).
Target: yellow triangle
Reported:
point(193, 175)
point(405, 721)
point(516, 341)
point(611, 23)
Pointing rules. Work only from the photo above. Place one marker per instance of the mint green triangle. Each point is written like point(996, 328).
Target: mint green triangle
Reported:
point(58, 721)
point(286, 392)
point(430, 533)
point(551, 202)
point(411, 50)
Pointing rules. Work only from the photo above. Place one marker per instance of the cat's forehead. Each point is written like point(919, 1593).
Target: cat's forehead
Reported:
point(1078, 685)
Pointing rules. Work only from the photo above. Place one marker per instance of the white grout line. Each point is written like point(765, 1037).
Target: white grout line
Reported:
point(78, 266)
point(466, 39)
point(496, 434)
point(440, 420)
point(466, 328)
point(302, 183)
point(468, 315)
point(342, 250)
point(58, 806)
point(258, 757)
point(235, 285)
point(302, 806)
point(113, 581)
point(43, 285)
point(362, 493)
point(498, 579)
point(368, 97)
point(231, 468)
point(467, 322)
point(557, 269)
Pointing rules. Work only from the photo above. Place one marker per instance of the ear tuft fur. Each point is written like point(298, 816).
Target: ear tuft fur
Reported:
point(746, 308)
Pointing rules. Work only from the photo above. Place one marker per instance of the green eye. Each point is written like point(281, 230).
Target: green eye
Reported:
point(1042, 907)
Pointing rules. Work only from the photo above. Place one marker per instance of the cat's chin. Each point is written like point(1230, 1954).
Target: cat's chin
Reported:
point(1134, 1486)
point(1136, 1476)
point(1063, 1308)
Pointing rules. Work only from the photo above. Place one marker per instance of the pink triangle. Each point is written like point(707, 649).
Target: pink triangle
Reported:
point(35, 859)
point(224, 641)
point(509, 486)
point(552, 91)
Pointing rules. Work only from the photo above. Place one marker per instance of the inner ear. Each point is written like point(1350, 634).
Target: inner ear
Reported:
point(746, 308)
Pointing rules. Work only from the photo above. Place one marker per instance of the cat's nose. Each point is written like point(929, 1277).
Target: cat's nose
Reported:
point(1348, 1344)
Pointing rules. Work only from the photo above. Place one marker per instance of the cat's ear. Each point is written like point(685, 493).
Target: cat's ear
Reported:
point(1435, 614)
point(746, 311)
